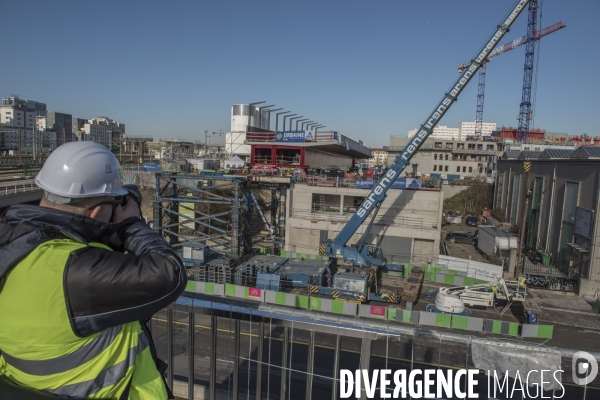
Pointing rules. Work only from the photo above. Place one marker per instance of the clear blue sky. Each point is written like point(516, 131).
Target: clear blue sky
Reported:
point(369, 69)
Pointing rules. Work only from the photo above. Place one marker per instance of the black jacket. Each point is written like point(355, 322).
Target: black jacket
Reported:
point(103, 288)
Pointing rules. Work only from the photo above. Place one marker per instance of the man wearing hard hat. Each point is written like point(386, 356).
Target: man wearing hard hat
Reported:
point(72, 308)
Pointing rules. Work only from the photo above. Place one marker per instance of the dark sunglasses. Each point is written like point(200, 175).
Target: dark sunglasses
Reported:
point(119, 200)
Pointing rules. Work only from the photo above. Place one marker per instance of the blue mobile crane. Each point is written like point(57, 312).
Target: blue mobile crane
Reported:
point(364, 254)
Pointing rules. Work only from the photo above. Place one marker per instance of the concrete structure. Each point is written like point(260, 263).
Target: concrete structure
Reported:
point(37, 107)
point(105, 131)
point(468, 129)
point(407, 226)
point(380, 157)
point(553, 201)
point(77, 128)
point(325, 150)
point(15, 119)
point(62, 124)
point(244, 118)
point(440, 132)
point(450, 157)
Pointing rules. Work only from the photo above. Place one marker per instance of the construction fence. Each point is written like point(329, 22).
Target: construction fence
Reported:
point(226, 347)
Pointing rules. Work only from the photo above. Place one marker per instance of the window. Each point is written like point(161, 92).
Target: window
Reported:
point(435, 167)
point(490, 147)
point(470, 169)
point(464, 169)
point(441, 168)
point(446, 157)
point(471, 147)
point(435, 156)
point(438, 145)
point(458, 168)
point(446, 168)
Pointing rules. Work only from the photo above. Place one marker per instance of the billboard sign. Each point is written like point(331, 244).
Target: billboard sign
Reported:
point(294, 136)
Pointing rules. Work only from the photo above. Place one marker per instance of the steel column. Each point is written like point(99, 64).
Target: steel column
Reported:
point(236, 359)
point(170, 347)
point(191, 324)
point(336, 368)
point(284, 362)
point(310, 365)
point(213, 359)
point(259, 364)
point(365, 358)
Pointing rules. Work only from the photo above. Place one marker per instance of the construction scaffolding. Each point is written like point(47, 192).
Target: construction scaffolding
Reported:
point(214, 210)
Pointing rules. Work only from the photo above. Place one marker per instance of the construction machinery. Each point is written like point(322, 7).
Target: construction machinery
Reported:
point(363, 253)
point(452, 300)
point(523, 40)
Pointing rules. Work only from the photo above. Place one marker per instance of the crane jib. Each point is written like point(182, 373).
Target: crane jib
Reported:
point(378, 193)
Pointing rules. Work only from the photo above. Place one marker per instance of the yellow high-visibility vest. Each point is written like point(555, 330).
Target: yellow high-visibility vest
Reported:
point(40, 349)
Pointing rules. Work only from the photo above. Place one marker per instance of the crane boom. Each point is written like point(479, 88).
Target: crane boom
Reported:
point(519, 42)
point(337, 247)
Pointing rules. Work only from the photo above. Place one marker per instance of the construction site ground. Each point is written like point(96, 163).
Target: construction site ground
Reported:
point(576, 325)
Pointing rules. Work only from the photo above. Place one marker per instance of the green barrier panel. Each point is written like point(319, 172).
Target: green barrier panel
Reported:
point(452, 272)
point(229, 289)
point(481, 281)
point(280, 298)
point(467, 281)
point(449, 279)
point(460, 322)
point(302, 301)
point(298, 255)
point(391, 313)
point(497, 326)
point(407, 270)
point(190, 286)
point(513, 329)
point(443, 320)
point(209, 288)
point(545, 331)
point(406, 316)
point(337, 307)
point(283, 253)
point(427, 276)
point(437, 269)
point(315, 303)
point(319, 257)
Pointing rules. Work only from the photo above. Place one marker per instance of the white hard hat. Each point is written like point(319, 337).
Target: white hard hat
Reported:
point(77, 170)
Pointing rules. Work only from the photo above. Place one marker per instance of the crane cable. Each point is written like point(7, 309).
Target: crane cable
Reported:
point(535, 77)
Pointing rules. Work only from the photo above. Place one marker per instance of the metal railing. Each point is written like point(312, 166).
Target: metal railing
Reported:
point(270, 137)
point(17, 188)
point(414, 222)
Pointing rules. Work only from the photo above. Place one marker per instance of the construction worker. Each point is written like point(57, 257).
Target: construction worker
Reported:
point(73, 309)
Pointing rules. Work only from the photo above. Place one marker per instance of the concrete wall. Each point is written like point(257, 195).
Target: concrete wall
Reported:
point(450, 191)
point(410, 220)
point(554, 176)
point(321, 159)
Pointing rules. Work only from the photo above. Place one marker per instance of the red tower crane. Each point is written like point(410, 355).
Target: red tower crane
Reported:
point(499, 50)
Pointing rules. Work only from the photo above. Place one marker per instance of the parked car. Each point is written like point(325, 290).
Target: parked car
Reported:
point(471, 221)
point(461, 237)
